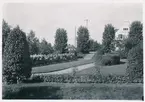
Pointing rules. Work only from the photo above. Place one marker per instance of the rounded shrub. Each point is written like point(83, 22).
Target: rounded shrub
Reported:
point(110, 59)
point(16, 61)
point(135, 63)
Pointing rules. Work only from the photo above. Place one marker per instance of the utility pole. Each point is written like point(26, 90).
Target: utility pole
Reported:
point(86, 20)
point(75, 38)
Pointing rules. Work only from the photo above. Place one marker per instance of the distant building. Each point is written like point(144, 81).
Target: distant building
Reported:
point(71, 48)
point(122, 33)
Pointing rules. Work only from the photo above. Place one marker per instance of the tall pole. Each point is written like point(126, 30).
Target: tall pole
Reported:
point(86, 20)
point(75, 38)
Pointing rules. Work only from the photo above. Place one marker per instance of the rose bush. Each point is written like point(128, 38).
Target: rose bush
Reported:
point(39, 60)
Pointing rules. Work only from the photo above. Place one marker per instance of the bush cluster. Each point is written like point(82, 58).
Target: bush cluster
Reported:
point(38, 60)
point(110, 59)
point(81, 79)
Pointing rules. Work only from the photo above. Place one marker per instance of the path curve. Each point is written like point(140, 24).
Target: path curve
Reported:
point(69, 70)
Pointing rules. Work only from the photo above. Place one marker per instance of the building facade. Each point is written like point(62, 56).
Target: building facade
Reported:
point(121, 34)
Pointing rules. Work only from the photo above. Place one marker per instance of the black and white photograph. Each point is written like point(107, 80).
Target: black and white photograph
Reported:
point(72, 51)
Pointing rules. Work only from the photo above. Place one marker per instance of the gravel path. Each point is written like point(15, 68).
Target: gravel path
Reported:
point(69, 70)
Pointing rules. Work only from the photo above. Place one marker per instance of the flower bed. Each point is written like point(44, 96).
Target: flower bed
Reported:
point(39, 60)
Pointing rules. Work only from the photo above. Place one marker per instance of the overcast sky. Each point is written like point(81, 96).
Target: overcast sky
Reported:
point(45, 18)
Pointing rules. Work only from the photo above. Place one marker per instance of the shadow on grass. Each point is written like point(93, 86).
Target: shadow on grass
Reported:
point(83, 91)
point(45, 92)
point(121, 62)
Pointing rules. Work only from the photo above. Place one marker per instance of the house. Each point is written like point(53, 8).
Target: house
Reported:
point(121, 34)
point(71, 48)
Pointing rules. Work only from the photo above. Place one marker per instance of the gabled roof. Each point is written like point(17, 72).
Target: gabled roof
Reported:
point(71, 47)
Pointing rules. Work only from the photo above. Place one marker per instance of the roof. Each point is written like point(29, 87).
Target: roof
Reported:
point(124, 30)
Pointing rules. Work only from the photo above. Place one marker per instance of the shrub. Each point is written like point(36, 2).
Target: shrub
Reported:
point(65, 78)
point(16, 62)
point(80, 55)
point(122, 54)
point(110, 59)
point(135, 63)
point(39, 60)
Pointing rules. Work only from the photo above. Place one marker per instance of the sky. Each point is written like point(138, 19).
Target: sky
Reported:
point(45, 18)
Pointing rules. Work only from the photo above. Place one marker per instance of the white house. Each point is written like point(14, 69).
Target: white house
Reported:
point(122, 33)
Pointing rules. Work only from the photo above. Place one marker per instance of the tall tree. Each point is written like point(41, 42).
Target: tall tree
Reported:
point(33, 43)
point(45, 47)
point(135, 35)
point(61, 40)
point(5, 31)
point(108, 38)
point(16, 62)
point(83, 39)
point(134, 46)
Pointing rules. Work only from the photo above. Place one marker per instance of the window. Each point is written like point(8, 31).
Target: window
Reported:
point(125, 28)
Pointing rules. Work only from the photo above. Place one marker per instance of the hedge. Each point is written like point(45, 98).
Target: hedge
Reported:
point(81, 79)
point(39, 60)
point(107, 59)
point(135, 62)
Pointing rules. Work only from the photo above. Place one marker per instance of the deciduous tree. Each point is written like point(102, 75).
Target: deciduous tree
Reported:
point(83, 40)
point(61, 40)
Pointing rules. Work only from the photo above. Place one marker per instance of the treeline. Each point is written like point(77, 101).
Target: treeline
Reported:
point(84, 42)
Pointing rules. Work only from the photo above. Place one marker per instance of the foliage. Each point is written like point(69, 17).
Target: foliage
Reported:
point(94, 45)
point(135, 62)
point(83, 39)
point(108, 38)
point(136, 30)
point(39, 60)
point(80, 55)
point(110, 59)
point(5, 32)
point(134, 46)
point(135, 35)
point(74, 91)
point(107, 59)
point(122, 54)
point(69, 78)
point(61, 40)
point(33, 43)
point(45, 47)
point(16, 62)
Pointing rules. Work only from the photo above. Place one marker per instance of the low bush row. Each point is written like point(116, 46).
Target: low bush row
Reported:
point(38, 60)
point(82, 79)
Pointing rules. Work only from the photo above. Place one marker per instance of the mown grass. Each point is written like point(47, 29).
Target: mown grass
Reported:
point(105, 70)
point(61, 66)
point(74, 91)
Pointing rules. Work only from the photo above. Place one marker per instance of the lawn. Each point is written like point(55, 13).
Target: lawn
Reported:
point(106, 70)
point(74, 91)
point(61, 66)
